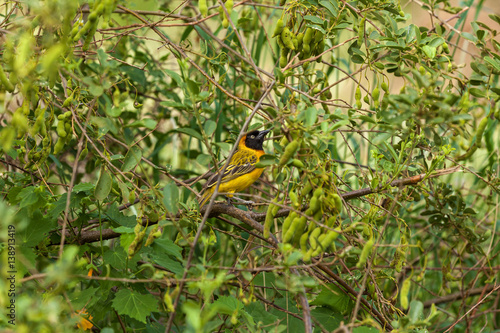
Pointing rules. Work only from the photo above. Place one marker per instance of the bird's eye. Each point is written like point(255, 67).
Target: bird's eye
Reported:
point(252, 136)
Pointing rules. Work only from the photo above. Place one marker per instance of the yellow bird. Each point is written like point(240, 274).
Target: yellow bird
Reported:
point(241, 171)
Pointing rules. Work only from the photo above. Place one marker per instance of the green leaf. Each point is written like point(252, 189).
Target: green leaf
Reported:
point(469, 36)
point(438, 41)
point(167, 246)
point(378, 139)
point(135, 305)
point(367, 119)
point(228, 305)
point(167, 262)
point(334, 298)
point(115, 215)
point(259, 313)
point(176, 77)
point(103, 186)
point(171, 197)
point(495, 18)
point(492, 62)
point(132, 158)
point(189, 131)
point(84, 298)
point(340, 123)
point(203, 159)
point(193, 87)
point(37, 229)
point(314, 19)
point(329, 319)
point(477, 92)
point(83, 187)
point(173, 104)
point(311, 116)
point(330, 6)
point(391, 150)
point(416, 312)
point(117, 258)
point(266, 160)
point(28, 196)
point(148, 123)
point(429, 51)
point(210, 127)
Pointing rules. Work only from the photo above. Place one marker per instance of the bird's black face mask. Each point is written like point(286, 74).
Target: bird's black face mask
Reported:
point(255, 139)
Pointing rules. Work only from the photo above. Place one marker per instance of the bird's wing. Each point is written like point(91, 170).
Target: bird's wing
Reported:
point(242, 162)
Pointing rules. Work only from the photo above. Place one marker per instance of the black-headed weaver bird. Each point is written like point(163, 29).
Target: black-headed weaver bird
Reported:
point(241, 171)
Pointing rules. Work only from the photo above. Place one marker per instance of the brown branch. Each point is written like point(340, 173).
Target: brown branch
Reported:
point(459, 295)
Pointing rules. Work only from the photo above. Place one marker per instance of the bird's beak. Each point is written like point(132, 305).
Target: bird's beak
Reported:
point(262, 134)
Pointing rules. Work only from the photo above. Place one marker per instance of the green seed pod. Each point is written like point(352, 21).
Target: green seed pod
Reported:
point(318, 192)
point(283, 61)
point(298, 163)
point(405, 290)
point(5, 81)
point(308, 36)
point(279, 28)
point(315, 205)
point(290, 150)
point(385, 86)
point(229, 6)
point(365, 253)
point(446, 49)
point(338, 201)
point(300, 39)
point(294, 198)
point(319, 48)
point(306, 50)
point(480, 131)
point(361, 31)
point(313, 238)
point(303, 242)
point(325, 242)
point(288, 235)
point(270, 218)
point(306, 189)
point(153, 234)
point(89, 37)
point(202, 6)
point(280, 44)
point(68, 101)
point(59, 145)
point(299, 229)
point(318, 36)
point(357, 96)
point(376, 93)
point(287, 223)
point(331, 221)
point(61, 131)
point(286, 37)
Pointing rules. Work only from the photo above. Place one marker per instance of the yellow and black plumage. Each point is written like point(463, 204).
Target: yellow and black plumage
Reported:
point(241, 171)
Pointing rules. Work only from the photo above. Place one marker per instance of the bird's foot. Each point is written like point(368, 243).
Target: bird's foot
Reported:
point(241, 201)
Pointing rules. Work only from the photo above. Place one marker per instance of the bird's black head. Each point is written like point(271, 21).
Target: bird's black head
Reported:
point(255, 139)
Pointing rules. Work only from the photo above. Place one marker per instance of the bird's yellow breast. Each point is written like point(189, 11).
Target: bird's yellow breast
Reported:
point(240, 183)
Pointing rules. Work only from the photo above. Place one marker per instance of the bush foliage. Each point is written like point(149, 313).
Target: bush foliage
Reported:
point(378, 207)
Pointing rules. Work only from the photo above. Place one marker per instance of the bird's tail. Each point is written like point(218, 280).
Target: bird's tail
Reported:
point(205, 196)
